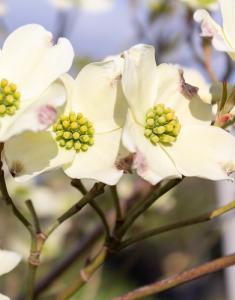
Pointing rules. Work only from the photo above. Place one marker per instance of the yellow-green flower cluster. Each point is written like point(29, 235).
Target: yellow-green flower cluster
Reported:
point(74, 132)
point(161, 125)
point(9, 98)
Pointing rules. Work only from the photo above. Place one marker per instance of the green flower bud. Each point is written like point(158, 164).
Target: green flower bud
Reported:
point(161, 125)
point(74, 132)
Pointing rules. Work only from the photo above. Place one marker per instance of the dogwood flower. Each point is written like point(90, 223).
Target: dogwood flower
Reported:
point(85, 5)
point(85, 139)
point(210, 4)
point(8, 261)
point(223, 39)
point(168, 126)
point(29, 68)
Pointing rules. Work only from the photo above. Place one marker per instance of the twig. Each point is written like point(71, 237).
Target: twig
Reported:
point(85, 275)
point(101, 214)
point(8, 200)
point(200, 219)
point(176, 280)
point(34, 215)
point(116, 200)
point(96, 190)
point(159, 190)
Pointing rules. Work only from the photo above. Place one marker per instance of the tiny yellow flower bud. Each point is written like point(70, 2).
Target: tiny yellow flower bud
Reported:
point(9, 99)
point(84, 138)
point(91, 142)
point(7, 90)
point(154, 139)
point(83, 129)
point(17, 95)
point(82, 121)
point(170, 116)
point(62, 143)
point(4, 83)
point(150, 122)
point(74, 126)
point(67, 135)
point(147, 132)
point(66, 124)
point(59, 133)
point(162, 120)
point(77, 146)
point(84, 147)
point(159, 130)
point(13, 87)
point(2, 109)
point(72, 117)
point(76, 135)
point(69, 145)
point(11, 110)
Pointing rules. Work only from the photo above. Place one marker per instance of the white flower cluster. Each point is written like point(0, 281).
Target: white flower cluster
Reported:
point(161, 115)
point(49, 120)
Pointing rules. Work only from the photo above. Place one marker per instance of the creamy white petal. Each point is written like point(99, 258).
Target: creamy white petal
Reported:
point(99, 161)
point(151, 162)
point(8, 261)
point(140, 80)
point(211, 29)
point(204, 151)
point(98, 95)
point(3, 297)
point(170, 92)
point(35, 114)
point(30, 154)
point(228, 14)
point(30, 60)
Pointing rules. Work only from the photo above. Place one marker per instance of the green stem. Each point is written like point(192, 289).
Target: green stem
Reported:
point(101, 214)
point(159, 190)
point(116, 200)
point(96, 190)
point(77, 183)
point(34, 215)
point(84, 276)
point(200, 219)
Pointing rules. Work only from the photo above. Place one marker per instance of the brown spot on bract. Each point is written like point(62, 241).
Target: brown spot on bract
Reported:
point(16, 168)
point(125, 164)
point(189, 91)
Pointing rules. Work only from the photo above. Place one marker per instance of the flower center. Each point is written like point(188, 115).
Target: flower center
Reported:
point(9, 98)
point(161, 125)
point(74, 132)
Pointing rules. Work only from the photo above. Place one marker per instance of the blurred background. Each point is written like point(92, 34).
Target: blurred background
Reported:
point(98, 29)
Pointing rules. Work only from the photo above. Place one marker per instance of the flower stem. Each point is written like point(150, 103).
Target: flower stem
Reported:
point(116, 200)
point(199, 219)
point(101, 214)
point(85, 275)
point(96, 190)
point(159, 190)
point(180, 278)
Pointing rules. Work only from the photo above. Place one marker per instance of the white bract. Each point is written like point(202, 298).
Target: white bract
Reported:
point(29, 67)
point(210, 4)
point(94, 6)
point(168, 126)
point(223, 38)
point(8, 261)
point(85, 140)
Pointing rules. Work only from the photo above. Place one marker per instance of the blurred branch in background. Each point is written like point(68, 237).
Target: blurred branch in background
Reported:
point(195, 273)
